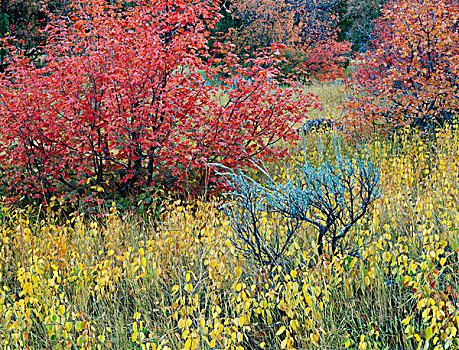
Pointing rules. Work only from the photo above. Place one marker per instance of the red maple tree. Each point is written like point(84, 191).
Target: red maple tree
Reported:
point(131, 98)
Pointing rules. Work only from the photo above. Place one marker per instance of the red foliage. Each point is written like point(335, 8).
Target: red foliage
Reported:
point(128, 99)
point(324, 59)
point(413, 71)
point(308, 28)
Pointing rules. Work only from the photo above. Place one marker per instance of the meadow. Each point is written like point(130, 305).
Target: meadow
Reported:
point(124, 280)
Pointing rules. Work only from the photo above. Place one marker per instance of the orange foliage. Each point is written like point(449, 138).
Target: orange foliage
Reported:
point(412, 74)
point(265, 22)
point(307, 28)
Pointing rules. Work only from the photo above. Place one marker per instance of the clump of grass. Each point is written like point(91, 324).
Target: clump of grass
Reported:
point(331, 95)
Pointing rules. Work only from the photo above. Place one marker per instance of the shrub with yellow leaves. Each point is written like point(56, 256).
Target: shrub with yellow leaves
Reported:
point(124, 282)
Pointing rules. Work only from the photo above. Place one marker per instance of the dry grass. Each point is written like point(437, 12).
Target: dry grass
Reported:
point(125, 282)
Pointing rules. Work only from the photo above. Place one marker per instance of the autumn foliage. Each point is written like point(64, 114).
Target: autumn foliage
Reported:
point(323, 59)
point(412, 74)
point(308, 29)
point(25, 20)
point(129, 100)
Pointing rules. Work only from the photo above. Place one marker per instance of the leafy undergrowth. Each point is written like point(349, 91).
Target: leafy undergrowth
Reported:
point(126, 283)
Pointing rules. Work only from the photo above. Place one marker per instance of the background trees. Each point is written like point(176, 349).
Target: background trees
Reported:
point(307, 27)
point(356, 21)
point(25, 21)
point(412, 73)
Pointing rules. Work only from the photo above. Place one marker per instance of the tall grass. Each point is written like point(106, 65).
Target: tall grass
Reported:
point(331, 96)
point(128, 282)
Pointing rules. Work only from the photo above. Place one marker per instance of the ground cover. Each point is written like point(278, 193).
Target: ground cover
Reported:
point(125, 282)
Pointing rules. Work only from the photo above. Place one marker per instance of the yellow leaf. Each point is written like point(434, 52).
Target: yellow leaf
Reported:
point(421, 304)
point(238, 271)
point(188, 344)
point(367, 281)
point(62, 310)
point(293, 325)
point(429, 333)
point(181, 323)
point(281, 330)
point(315, 337)
point(284, 343)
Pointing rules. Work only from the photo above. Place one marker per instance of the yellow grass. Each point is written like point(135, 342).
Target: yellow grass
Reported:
point(124, 282)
